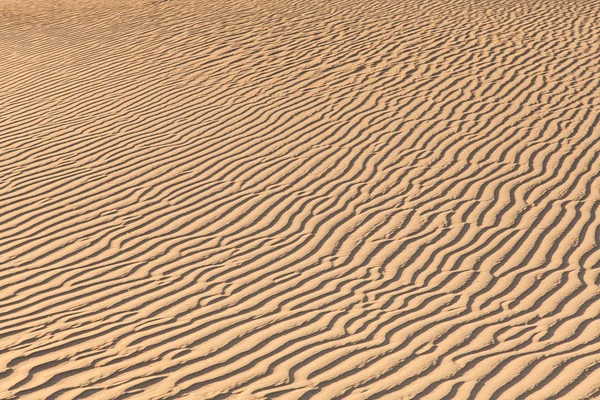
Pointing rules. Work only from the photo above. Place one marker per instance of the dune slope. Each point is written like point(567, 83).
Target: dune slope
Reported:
point(299, 199)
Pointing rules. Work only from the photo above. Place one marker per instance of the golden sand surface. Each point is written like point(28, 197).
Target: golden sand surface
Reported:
point(299, 199)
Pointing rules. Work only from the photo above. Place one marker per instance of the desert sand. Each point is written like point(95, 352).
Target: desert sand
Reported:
point(299, 199)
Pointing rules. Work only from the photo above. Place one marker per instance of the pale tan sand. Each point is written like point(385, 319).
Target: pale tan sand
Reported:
point(298, 199)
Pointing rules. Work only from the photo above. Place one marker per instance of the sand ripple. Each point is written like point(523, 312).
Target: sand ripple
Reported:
point(299, 199)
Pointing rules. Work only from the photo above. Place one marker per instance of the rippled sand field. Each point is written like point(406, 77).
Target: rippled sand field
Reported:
point(299, 199)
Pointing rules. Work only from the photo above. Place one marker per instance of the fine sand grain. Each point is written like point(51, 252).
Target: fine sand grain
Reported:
point(299, 199)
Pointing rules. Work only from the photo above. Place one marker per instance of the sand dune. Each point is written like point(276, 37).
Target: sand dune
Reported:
point(299, 199)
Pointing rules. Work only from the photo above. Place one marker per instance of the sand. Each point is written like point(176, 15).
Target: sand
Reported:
point(304, 199)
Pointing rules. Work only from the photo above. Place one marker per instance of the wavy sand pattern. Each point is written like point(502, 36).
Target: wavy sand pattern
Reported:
point(300, 199)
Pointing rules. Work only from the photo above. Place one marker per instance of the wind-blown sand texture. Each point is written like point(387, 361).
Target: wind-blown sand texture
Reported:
point(305, 199)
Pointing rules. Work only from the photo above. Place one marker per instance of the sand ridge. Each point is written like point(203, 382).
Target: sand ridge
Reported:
point(299, 199)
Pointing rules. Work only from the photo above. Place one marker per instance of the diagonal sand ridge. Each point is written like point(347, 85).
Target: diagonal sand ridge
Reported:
point(299, 199)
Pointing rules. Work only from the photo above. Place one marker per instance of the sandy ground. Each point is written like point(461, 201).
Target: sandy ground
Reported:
point(299, 199)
